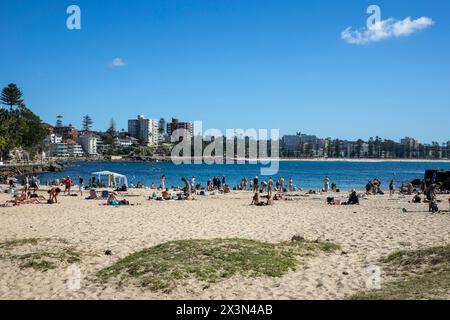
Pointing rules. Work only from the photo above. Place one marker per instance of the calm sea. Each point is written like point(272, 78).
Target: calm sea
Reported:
point(307, 175)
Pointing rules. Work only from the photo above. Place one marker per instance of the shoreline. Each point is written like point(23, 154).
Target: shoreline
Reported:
point(266, 160)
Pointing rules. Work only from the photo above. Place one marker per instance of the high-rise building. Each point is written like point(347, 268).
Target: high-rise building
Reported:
point(144, 129)
point(187, 127)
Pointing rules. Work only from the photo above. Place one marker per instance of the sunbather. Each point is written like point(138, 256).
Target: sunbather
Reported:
point(92, 195)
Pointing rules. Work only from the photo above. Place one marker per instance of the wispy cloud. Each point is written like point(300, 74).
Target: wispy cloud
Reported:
point(118, 63)
point(385, 29)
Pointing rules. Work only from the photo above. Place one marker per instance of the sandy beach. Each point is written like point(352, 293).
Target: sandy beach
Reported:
point(364, 233)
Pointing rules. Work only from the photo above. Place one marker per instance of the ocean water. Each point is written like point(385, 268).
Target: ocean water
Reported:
point(307, 175)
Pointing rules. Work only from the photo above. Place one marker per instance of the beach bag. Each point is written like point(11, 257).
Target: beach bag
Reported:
point(434, 207)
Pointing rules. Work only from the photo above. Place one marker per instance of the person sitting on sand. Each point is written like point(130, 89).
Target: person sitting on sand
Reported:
point(416, 199)
point(333, 187)
point(166, 195)
point(114, 201)
point(410, 189)
point(189, 197)
point(369, 187)
point(92, 195)
point(353, 198)
point(255, 199)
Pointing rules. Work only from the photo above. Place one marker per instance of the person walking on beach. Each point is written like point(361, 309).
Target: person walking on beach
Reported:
point(81, 184)
point(326, 183)
point(291, 185)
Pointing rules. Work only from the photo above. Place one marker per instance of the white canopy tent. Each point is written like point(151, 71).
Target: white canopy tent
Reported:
point(115, 180)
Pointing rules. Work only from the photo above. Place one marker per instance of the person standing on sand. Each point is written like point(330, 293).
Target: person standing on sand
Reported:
point(291, 185)
point(163, 182)
point(81, 184)
point(326, 183)
point(282, 184)
point(269, 187)
point(68, 185)
point(187, 187)
point(244, 184)
point(423, 186)
point(391, 188)
point(255, 184)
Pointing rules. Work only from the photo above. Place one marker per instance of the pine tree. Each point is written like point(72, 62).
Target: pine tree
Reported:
point(87, 123)
point(11, 96)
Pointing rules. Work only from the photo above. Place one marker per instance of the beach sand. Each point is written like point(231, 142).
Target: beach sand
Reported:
point(365, 233)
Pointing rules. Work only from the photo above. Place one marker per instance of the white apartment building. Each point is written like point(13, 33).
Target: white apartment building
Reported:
point(75, 150)
point(67, 150)
point(89, 144)
point(60, 150)
point(53, 139)
point(144, 129)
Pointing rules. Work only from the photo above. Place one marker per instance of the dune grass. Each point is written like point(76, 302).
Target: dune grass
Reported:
point(39, 254)
point(420, 274)
point(165, 266)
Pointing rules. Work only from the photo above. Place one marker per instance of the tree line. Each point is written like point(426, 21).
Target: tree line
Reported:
point(19, 126)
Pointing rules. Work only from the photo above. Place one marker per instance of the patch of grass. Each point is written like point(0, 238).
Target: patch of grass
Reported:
point(419, 274)
point(19, 242)
point(163, 267)
point(39, 254)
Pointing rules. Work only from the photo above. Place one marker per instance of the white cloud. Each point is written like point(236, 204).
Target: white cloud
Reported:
point(386, 29)
point(118, 63)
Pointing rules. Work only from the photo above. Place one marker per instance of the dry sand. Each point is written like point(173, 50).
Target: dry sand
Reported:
point(365, 233)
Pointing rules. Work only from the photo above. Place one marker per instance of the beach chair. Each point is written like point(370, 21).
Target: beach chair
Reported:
point(105, 194)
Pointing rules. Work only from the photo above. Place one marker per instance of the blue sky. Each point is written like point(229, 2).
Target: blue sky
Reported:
point(232, 64)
